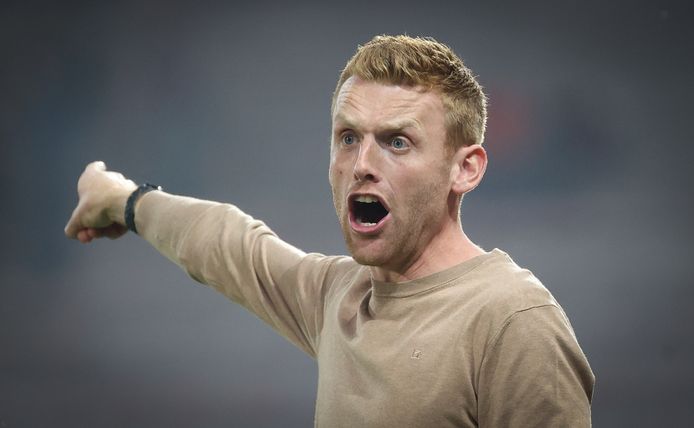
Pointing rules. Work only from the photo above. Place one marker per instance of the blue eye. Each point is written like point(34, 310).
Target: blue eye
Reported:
point(398, 143)
point(348, 139)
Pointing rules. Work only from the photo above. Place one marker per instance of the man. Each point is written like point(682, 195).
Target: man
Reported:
point(420, 327)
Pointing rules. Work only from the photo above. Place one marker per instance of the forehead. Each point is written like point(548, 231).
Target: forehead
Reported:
point(369, 101)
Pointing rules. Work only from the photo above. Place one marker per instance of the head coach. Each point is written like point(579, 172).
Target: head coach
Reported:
point(420, 327)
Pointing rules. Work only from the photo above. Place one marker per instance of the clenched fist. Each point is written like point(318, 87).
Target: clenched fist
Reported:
point(100, 210)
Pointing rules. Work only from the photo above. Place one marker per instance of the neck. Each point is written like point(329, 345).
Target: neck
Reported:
point(448, 248)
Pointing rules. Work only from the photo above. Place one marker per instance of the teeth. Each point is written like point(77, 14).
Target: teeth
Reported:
point(367, 224)
point(366, 199)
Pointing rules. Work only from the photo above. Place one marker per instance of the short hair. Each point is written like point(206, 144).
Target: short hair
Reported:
point(404, 60)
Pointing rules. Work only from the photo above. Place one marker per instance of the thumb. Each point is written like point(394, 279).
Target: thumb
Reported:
point(97, 165)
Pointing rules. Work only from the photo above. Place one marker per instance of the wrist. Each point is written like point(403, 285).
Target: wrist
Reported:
point(119, 198)
point(132, 200)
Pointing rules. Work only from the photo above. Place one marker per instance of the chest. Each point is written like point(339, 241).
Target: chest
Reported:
point(394, 363)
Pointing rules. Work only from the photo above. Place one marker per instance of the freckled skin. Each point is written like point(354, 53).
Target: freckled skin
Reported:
point(415, 182)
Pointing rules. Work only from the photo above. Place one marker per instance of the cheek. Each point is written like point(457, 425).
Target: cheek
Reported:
point(335, 178)
point(426, 196)
point(334, 174)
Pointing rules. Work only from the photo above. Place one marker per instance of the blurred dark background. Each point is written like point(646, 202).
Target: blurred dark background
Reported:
point(590, 142)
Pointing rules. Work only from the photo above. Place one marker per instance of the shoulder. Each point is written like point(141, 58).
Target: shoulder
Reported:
point(504, 288)
point(330, 268)
point(334, 273)
point(529, 350)
point(499, 299)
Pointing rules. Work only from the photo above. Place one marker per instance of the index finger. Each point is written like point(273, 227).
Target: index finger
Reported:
point(73, 226)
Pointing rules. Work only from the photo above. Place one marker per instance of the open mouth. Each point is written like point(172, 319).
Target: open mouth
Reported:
point(367, 210)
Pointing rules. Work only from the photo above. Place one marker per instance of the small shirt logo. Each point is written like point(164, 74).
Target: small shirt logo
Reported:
point(416, 354)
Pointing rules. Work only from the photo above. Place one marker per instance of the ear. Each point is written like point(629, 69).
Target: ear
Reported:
point(470, 163)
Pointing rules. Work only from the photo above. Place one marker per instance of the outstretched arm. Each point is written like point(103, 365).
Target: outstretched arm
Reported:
point(218, 245)
point(101, 206)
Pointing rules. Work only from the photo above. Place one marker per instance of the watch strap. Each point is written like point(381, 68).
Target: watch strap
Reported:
point(132, 200)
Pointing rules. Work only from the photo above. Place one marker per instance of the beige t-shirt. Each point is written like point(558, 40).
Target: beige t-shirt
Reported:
point(480, 344)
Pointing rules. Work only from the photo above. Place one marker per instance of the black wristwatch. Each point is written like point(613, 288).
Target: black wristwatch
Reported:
point(132, 199)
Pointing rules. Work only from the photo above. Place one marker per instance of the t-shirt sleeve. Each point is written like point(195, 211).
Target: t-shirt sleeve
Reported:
point(534, 374)
point(219, 245)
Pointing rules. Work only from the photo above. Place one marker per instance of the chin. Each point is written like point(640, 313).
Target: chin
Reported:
point(365, 251)
point(367, 256)
point(367, 260)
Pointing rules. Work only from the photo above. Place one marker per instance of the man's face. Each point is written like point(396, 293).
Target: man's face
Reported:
point(390, 171)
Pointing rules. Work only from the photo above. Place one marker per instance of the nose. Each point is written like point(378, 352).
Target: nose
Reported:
point(365, 166)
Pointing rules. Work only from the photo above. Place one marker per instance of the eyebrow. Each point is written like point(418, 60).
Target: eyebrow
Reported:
point(394, 125)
